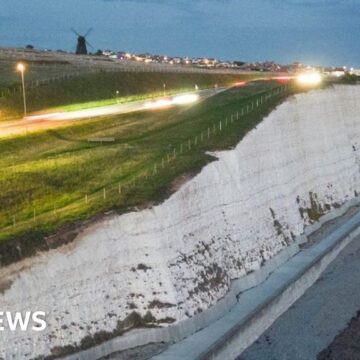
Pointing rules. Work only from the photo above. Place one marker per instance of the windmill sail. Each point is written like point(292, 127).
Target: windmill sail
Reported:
point(81, 48)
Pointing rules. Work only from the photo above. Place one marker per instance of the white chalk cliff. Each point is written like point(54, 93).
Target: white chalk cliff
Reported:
point(178, 258)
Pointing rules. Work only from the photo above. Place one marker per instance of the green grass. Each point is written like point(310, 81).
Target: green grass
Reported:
point(100, 88)
point(53, 171)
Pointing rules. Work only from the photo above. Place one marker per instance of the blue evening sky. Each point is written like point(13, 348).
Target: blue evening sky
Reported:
point(313, 31)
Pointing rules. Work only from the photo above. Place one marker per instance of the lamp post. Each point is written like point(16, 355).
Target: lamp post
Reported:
point(21, 68)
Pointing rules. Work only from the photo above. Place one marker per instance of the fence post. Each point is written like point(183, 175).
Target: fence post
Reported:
point(34, 215)
point(220, 125)
point(14, 220)
point(119, 188)
point(104, 193)
point(86, 199)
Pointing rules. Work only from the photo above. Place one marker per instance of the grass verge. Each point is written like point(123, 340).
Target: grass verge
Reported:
point(61, 178)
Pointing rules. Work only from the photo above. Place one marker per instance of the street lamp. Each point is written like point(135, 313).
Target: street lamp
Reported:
point(21, 68)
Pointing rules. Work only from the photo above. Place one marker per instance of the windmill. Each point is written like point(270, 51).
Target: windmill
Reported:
point(81, 48)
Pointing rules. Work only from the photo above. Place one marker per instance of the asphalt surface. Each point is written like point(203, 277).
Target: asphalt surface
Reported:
point(313, 321)
point(346, 346)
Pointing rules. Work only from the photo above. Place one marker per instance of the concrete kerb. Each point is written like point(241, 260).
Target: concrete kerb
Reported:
point(225, 306)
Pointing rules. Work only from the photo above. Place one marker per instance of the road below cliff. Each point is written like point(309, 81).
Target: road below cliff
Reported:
point(312, 323)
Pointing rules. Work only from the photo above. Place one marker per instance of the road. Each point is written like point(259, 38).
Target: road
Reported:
point(312, 322)
point(51, 120)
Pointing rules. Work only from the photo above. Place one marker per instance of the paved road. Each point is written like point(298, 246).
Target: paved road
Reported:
point(316, 318)
point(51, 120)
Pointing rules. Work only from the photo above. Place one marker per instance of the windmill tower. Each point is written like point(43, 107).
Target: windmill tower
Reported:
point(81, 48)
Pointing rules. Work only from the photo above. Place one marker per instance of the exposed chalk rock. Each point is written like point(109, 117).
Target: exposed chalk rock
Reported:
point(164, 264)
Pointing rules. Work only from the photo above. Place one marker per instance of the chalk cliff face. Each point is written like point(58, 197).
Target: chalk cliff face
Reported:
point(169, 262)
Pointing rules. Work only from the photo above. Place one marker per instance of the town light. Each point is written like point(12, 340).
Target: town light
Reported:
point(21, 68)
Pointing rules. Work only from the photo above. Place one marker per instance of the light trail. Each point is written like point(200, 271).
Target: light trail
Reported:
point(309, 79)
point(185, 99)
point(158, 104)
point(52, 120)
point(126, 108)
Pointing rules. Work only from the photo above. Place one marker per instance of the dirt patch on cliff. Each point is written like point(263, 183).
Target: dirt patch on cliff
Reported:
point(131, 322)
point(177, 183)
point(31, 243)
point(328, 227)
point(5, 285)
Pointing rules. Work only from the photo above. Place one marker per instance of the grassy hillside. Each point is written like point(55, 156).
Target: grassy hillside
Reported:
point(61, 177)
point(107, 87)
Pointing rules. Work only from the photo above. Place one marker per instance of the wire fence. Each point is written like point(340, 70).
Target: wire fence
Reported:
point(118, 192)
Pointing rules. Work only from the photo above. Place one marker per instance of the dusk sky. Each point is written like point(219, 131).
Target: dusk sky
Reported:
point(313, 31)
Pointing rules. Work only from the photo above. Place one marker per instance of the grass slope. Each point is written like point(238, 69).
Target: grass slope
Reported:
point(52, 172)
